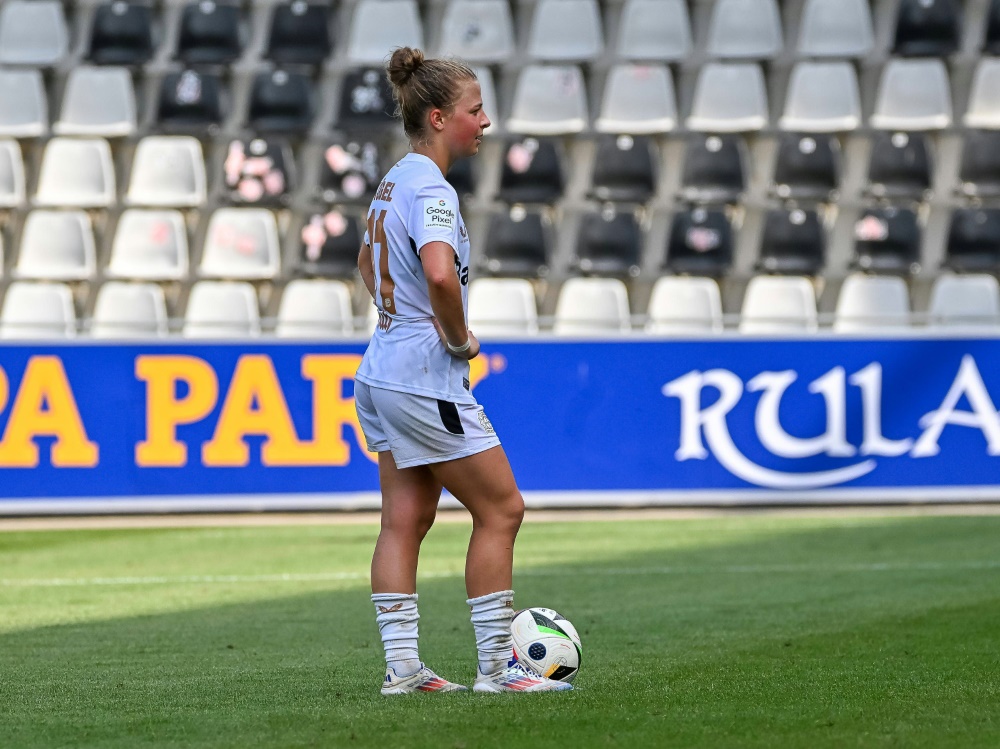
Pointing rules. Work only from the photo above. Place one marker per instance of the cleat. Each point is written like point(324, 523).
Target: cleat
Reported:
point(424, 680)
point(516, 678)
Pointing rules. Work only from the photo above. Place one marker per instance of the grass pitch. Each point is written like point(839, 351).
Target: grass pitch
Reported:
point(744, 631)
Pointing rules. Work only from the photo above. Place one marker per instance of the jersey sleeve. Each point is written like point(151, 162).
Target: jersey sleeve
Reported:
point(434, 216)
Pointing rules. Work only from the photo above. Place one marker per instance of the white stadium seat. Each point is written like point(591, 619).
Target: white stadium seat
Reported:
point(592, 306)
point(97, 101)
point(57, 245)
point(784, 305)
point(502, 306)
point(639, 100)
point(913, 95)
point(965, 301)
point(76, 172)
point(37, 311)
point(12, 191)
point(24, 107)
point(479, 31)
point(129, 310)
point(729, 98)
point(872, 303)
point(315, 308)
point(549, 100)
point(823, 97)
point(241, 243)
point(379, 26)
point(745, 29)
point(32, 32)
point(654, 30)
point(168, 171)
point(685, 305)
point(836, 28)
point(222, 309)
point(564, 30)
point(149, 244)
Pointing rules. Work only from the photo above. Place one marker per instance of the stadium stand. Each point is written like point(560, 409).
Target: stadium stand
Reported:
point(637, 141)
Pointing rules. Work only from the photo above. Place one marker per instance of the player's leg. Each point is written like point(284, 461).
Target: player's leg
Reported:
point(484, 483)
point(409, 504)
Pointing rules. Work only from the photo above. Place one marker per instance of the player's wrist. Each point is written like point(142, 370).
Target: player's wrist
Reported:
point(460, 349)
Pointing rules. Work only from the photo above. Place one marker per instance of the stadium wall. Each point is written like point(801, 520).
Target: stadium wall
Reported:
point(94, 427)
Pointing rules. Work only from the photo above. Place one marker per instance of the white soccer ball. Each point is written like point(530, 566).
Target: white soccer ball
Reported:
point(547, 643)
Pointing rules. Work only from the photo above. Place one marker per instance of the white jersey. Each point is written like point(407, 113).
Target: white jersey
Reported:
point(413, 205)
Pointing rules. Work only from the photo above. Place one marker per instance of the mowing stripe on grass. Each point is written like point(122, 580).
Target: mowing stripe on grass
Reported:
point(289, 577)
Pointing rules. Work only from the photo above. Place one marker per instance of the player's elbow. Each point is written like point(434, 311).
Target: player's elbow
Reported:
point(440, 280)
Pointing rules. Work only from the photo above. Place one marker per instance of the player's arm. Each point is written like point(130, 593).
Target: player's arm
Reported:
point(445, 290)
point(366, 265)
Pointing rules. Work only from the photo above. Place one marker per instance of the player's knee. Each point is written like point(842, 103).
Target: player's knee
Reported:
point(510, 513)
point(410, 522)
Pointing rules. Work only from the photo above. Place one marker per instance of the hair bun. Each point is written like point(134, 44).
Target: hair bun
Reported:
point(405, 61)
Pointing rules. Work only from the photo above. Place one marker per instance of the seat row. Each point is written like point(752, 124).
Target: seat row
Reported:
point(35, 32)
point(822, 97)
point(679, 305)
point(246, 243)
point(171, 171)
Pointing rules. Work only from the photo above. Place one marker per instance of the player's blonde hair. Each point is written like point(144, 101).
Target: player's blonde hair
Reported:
point(420, 84)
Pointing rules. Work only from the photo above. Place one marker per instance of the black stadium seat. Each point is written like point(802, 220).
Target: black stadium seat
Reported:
point(700, 243)
point(900, 165)
point(190, 100)
point(532, 171)
point(624, 169)
point(807, 167)
point(122, 34)
point(281, 101)
point(974, 240)
point(887, 240)
point(793, 242)
point(928, 28)
point(610, 243)
point(210, 33)
point(714, 168)
point(517, 244)
point(300, 33)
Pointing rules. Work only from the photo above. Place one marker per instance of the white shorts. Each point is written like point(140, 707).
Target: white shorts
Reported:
point(419, 429)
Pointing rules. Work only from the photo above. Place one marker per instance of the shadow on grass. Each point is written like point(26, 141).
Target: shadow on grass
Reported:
point(874, 634)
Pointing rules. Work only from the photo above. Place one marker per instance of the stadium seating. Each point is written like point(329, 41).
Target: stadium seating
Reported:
point(502, 306)
point(184, 141)
point(37, 311)
point(685, 305)
point(779, 305)
point(129, 310)
point(314, 308)
point(592, 306)
point(871, 303)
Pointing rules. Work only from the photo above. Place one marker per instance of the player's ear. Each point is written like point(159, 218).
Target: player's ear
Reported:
point(436, 119)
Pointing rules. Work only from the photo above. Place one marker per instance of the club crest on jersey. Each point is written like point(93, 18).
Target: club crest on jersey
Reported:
point(439, 214)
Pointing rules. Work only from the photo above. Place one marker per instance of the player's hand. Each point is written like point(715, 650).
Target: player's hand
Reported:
point(471, 353)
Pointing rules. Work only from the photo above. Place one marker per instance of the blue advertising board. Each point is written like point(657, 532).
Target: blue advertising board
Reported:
point(636, 420)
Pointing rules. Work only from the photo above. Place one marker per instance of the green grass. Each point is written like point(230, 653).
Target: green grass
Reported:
point(748, 631)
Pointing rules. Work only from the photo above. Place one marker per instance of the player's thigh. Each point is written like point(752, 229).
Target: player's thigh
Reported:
point(483, 482)
point(409, 495)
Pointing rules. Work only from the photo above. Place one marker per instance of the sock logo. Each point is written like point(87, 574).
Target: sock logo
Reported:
point(509, 603)
point(389, 609)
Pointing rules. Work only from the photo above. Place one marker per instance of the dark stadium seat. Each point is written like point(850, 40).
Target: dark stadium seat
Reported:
point(259, 171)
point(517, 244)
point(532, 171)
point(462, 177)
point(928, 28)
point(281, 101)
point(979, 173)
point(793, 242)
point(974, 240)
point(366, 101)
point(210, 33)
point(190, 100)
point(900, 165)
point(609, 244)
point(328, 245)
point(121, 34)
point(807, 167)
point(351, 171)
point(714, 168)
point(700, 243)
point(300, 33)
point(887, 240)
point(991, 45)
point(624, 169)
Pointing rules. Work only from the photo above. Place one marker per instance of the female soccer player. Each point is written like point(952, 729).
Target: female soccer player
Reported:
point(412, 388)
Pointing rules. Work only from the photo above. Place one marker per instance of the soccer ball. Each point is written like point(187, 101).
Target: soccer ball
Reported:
point(547, 643)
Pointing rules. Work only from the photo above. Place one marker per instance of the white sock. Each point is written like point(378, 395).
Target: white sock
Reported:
point(396, 615)
point(491, 617)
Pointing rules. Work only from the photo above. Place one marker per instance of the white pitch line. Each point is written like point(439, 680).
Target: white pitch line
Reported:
point(292, 577)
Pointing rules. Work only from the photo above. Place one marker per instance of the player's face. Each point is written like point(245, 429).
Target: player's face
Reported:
point(468, 121)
